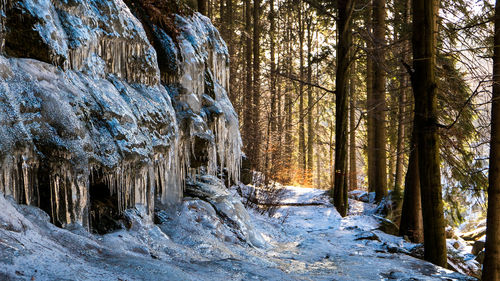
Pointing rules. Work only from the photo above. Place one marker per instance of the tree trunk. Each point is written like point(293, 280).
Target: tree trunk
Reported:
point(353, 182)
point(370, 119)
point(247, 135)
point(288, 101)
point(425, 89)
point(272, 89)
point(491, 267)
point(380, 163)
point(256, 85)
point(402, 112)
point(341, 93)
point(411, 215)
point(310, 128)
point(302, 134)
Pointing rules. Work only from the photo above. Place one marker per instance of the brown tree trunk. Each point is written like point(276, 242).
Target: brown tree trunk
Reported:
point(491, 267)
point(310, 128)
point(353, 182)
point(379, 135)
point(272, 89)
point(425, 89)
point(288, 100)
point(344, 32)
point(411, 215)
point(370, 119)
point(248, 126)
point(302, 134)
point(402, 100)
point(257, 134)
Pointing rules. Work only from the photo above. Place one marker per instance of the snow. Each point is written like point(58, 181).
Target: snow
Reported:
point(195, 243)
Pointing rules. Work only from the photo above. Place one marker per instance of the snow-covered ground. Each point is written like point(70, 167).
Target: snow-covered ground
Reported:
point(307, 242)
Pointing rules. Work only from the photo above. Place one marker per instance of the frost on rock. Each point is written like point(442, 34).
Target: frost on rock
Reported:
point(79, 35)
point(209, 124)
point(93, 124)
point(227, 206)
point(68, 133)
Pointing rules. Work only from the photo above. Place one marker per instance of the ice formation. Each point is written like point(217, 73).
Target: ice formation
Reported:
point(86, 105)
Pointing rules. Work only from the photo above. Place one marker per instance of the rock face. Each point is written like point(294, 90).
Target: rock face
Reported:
point(93, 121)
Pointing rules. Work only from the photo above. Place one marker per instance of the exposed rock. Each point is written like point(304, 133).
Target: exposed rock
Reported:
point(478, 245)
point(387, 226)
point(474, 234)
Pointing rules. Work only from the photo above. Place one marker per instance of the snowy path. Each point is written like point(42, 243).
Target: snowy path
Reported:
point(304, 243)
point(315, 243)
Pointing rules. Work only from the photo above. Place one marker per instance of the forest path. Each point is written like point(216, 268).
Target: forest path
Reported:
point(316, 243)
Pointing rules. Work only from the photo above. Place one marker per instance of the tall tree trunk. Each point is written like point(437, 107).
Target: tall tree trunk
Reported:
point(310, 128)
point(370, 118)
point(491, 267)
point(248, 93)
point(272, 89)
point(411, 215)
point(256, 84)
point(398, 177)
point(380, 162)
point(425, 89)
point(344, 31)
point(353, 182)
point(402, 112)
point(228, 21)
point(302, 134)
point(288, 98)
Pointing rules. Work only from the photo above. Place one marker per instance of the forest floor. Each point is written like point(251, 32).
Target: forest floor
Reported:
point(307, 242)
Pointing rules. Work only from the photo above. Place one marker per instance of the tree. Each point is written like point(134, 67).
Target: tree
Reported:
point(344, 30)
point(248, 93)
point(302, 135)
point(370, 117)
point(353, 183)
point(256, 132)
point(411, 215)
point(310, 128)
point(491, 268)
point(379, 107)
point(426, 122)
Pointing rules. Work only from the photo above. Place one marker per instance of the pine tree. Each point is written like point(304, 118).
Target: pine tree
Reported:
point(425, 90)
point(491, 267)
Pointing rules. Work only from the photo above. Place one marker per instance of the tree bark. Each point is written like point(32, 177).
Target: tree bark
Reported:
point(257, 135)
point(310, 101)
point(302, 134)
point(425, 89)
point(353, 182)
point(247, 135)
point(411, 215)
point(344, 32)
point(370, 119)
point(491, 267)
point(379, 134)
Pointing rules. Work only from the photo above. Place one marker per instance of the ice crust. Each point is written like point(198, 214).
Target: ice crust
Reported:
point(97, 109)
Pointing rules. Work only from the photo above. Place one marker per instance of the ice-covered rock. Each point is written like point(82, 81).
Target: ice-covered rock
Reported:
point(227, 205)
point(94, 123)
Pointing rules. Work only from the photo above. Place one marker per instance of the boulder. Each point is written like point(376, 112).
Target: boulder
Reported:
point(478, 246)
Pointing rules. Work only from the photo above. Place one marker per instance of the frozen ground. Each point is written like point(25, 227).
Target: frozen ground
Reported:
point(198, 243)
